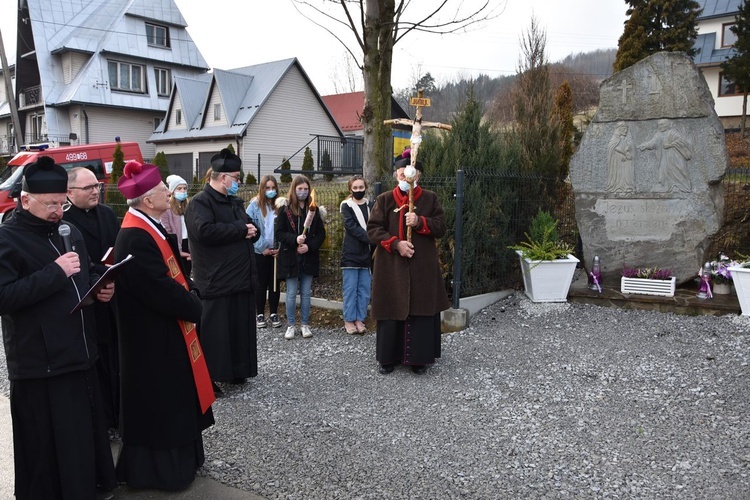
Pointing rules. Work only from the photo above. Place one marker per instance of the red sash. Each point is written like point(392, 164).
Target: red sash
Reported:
point(195, 352)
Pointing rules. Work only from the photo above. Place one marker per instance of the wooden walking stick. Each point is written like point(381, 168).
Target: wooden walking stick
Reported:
point(410, 172)
point(275, 266)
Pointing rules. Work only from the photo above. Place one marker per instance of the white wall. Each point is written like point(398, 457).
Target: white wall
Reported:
point(271, 134)
point(130, 125)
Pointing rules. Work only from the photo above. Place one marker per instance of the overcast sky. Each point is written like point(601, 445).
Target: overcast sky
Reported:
point(236, 33)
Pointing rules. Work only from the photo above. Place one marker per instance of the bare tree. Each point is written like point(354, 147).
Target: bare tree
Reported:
point(376, 26)
point(346, 76)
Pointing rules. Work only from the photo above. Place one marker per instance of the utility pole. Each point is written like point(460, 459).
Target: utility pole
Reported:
point(11, 96)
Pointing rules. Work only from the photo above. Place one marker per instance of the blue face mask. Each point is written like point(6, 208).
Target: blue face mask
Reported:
point(271, 194)
point(180, 196)
point(233, 190)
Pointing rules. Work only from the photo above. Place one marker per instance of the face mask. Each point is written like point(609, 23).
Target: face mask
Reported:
point(233, 190)
point(403, 186)
point(180, 196)
point(271, 194)
point(358, 195)
point(302, 195)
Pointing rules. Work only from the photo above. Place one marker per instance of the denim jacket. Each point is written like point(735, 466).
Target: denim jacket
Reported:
point(253, 210)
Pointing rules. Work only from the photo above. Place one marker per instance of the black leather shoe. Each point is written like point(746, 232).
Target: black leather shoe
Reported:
point(419, 369)
point(238, 381)
point(385, 369)
point(217, 392)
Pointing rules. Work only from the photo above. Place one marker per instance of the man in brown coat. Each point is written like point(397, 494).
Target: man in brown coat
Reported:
point(408, 290)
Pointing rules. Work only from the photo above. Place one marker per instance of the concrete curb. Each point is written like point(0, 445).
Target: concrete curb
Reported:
point(453, 319)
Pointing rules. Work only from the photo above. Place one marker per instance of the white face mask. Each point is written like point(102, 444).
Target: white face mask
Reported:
point(404, 186)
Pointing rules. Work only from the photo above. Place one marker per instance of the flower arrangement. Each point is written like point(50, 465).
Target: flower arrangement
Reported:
point(720, 269)
point(653, 273)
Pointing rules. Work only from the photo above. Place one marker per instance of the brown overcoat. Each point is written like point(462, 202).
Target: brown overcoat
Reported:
point(406, 287)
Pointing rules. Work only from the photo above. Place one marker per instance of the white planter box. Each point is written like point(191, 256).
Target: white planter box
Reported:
point(645, 286)
point(741, 280)
point(547, 280)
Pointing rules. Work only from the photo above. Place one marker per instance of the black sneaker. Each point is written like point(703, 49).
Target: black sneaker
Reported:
point(275, 321)
point(260, 321)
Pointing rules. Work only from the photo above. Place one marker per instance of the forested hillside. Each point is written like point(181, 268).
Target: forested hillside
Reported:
point(584, 72)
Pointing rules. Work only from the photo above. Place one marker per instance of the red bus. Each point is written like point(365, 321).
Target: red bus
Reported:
point(96, 157)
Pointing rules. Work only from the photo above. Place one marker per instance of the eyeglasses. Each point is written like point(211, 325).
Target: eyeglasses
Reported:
point(98, 186)
point(54, 207)
point(233, 177)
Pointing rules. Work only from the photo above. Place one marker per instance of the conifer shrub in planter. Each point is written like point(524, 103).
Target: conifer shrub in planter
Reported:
point(547, 263)
point(740, 272)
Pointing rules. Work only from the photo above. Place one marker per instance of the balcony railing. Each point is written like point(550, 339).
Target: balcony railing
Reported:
point(30, 97)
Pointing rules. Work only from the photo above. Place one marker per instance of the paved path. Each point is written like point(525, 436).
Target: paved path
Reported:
point(201, 489)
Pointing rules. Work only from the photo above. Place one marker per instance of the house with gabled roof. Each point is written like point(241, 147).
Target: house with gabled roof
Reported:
point(714, 43)
point(90, 71)
point(347, 109)
point(270, 113)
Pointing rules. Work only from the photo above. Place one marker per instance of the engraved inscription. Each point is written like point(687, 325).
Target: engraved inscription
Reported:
point(640, 220)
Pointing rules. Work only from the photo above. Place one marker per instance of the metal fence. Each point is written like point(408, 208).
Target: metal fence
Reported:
point(497, 208)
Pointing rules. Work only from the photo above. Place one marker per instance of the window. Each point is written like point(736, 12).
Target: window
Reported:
point(126, 76)
point(157, 122)
point(178, 116)
point(217, 112)
point(37, 122)
point(727, 37)
point(163, 81)
point(727, 87)
point(157, 35)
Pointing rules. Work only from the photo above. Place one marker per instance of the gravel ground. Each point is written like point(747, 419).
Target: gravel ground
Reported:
point(533, 400)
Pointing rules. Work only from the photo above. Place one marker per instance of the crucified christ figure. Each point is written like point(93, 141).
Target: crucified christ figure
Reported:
point(415, 141)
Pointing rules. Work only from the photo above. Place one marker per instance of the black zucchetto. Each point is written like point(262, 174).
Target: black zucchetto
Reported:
point(45, 176)
point(226, 161)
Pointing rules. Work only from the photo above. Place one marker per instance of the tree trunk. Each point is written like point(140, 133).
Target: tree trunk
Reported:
point(378, 55)
point(744, 115)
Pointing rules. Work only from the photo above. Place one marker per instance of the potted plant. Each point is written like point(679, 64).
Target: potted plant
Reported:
point(721, 276)
point(740, 272)
point(547, 264)
point(648, 281)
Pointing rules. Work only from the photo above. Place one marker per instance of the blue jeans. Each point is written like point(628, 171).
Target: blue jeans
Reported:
point(356, 288)
point(305, 281)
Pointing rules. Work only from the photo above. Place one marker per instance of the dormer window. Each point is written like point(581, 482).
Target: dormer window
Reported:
point(178, 116)
point(157, 36)
point(217, 112)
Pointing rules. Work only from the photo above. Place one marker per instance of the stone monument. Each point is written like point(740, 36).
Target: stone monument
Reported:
point(647, 175)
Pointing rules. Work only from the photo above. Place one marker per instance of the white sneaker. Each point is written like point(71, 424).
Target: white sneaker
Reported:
point(289, 335)
point(306, 333)
point(260, 321)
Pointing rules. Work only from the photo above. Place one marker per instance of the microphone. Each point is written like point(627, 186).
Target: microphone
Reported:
point(64, 231)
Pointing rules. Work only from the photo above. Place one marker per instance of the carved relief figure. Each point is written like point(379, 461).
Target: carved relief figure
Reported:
point(673, 151)
point(621, 176)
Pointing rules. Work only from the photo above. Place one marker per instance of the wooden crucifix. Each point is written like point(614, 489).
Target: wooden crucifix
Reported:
point(410, 172)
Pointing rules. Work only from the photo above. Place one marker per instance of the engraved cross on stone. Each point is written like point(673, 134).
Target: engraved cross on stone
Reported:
point(625, 86)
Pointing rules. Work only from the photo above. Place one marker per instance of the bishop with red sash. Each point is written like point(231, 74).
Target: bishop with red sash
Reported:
point(166, 389)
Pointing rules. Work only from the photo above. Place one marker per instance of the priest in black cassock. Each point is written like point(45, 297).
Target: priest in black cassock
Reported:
point(99, 226)
point(221, 239)
point(166, 388)
point(60, 444)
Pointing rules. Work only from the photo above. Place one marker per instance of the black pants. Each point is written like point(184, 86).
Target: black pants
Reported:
point(187, 265)
point(265, 282)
